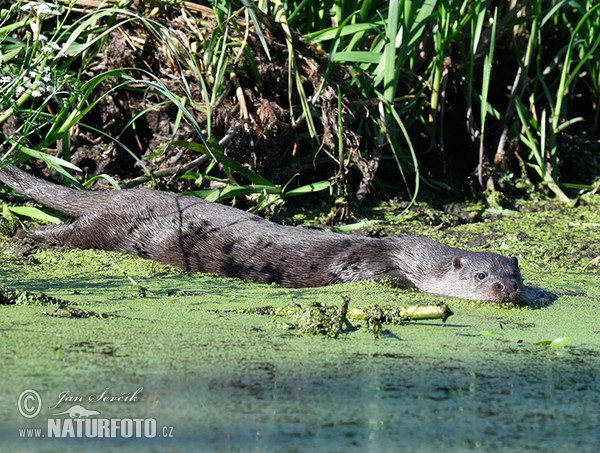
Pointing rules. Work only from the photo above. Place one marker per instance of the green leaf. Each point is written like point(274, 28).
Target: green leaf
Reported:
point(34, 213)
point(309, 188)
point(557, 343)
point(52, 161)
point(226, 161)
point(232, 191)
point(560, 343)
point(346, 30)
point(357, 57)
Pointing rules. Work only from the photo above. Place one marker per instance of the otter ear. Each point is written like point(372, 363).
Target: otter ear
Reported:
point(514, 261)
point(458, 262)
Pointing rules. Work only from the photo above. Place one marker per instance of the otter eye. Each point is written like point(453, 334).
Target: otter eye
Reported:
point(480, 276)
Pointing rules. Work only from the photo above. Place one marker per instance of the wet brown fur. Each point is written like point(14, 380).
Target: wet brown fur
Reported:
point(200, 236)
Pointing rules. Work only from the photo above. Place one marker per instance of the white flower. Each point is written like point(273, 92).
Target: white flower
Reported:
point(50, 46)
point(42, 8)
point(38, 82)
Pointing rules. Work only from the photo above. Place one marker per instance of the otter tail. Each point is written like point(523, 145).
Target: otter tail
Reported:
point(71, 202)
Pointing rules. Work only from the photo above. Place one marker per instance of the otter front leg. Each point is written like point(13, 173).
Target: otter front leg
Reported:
point(94, 231)
point(134, 233)
point(67, 235)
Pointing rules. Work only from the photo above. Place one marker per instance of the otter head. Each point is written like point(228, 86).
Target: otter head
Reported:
point(489, 276)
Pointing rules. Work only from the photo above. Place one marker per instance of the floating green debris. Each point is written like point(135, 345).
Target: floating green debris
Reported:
point(320, 319)
point(12, 296)
point(314, 319)
point(376, 316)
point(9, 223)
point(591, 263)
point(66, 311)
point(557, 343)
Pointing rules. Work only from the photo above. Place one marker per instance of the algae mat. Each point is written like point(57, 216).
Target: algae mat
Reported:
point(171, 357)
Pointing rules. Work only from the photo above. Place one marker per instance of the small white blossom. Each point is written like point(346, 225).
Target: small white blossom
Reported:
point(38, 82)
point(50, 46)
point(42, 8)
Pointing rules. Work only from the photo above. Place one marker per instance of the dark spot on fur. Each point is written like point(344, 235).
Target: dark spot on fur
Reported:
point(354, 258)
point(274, 272)
point(140, 250)
point(227, 248)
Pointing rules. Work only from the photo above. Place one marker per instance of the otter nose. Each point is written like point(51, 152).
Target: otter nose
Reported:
point(508, 286)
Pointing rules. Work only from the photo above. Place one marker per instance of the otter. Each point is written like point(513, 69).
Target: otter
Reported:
point(201, 236)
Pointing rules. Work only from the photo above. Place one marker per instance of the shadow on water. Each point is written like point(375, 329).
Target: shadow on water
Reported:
point(536, 297)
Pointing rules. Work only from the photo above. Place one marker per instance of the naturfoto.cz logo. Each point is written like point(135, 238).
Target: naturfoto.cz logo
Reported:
point(81, 421)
